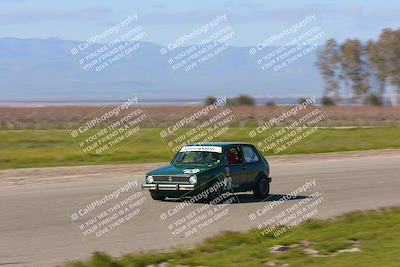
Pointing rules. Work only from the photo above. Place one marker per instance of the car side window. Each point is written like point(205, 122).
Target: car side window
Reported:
point(249, 154)
point(234, 156)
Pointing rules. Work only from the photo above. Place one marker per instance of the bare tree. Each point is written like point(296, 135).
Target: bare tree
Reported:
point(352, 59)
point(354, 65)
point(327, 62)
point(379, 66)
point(388, 43)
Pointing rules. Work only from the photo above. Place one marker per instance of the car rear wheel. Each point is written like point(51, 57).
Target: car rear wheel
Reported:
point(157, 197)
point(261, 190)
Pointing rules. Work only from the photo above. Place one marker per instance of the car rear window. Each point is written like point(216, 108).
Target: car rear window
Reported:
point(249, 154)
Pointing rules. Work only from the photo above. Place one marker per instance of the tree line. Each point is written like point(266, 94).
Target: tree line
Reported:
point(236, 101)
point(366, 70)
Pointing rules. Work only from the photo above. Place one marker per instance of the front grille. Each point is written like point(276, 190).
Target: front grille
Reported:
point(171, 179)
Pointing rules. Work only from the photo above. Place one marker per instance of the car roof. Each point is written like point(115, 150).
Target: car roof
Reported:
point(221, 144)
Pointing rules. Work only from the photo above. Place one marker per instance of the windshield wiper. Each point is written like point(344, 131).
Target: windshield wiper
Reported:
point(177, 163)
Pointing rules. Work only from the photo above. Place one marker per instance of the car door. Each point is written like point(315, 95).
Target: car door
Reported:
point(233, 159)
point(252, 161)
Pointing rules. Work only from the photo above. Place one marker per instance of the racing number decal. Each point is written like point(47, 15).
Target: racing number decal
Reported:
point(227, 183)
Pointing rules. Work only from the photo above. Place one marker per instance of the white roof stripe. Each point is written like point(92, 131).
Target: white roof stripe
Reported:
point(215, 149)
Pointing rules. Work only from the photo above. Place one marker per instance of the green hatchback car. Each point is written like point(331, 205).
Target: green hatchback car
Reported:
point(222, 167)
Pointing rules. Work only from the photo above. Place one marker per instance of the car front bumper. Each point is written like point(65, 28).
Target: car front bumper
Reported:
point(168, 187)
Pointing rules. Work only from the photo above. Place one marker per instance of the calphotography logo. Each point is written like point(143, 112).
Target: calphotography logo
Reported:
point(106, 214)
point(280, 215)
point(108, 129)
point(199, 46)
point(304, 40)
point(199, 125)
point(288, 129)
point(122, 40)
point(188, 219)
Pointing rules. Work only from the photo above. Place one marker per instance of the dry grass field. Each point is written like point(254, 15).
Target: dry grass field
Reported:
point(67, 117)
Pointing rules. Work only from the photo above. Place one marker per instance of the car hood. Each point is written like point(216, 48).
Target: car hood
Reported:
point(181, 169)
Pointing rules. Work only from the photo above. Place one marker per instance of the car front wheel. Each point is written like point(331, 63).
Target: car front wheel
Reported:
point(261, 190)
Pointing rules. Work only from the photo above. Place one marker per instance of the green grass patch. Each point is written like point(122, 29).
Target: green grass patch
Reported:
point(43, 148)
point(375, 233)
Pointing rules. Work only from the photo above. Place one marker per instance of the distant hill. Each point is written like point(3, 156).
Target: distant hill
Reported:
point(45, 69)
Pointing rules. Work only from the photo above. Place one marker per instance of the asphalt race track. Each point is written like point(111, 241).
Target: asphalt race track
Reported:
point(36, 205)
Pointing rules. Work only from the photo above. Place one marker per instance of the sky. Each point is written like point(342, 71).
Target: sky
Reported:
point(165, 21)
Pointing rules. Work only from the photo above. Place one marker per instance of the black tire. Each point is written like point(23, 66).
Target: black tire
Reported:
point(213, 195)
point(261, 190)
point(157, 197)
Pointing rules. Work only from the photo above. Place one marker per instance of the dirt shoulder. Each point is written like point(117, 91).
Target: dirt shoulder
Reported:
point(20, 177)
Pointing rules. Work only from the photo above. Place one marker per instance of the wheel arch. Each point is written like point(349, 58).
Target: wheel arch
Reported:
point(258, 177)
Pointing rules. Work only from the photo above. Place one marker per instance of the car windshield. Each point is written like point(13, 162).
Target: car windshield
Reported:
point(197, 157)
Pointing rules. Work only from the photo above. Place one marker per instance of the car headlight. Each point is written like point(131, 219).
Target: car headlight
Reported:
point(149, 179)
point(193, 179)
